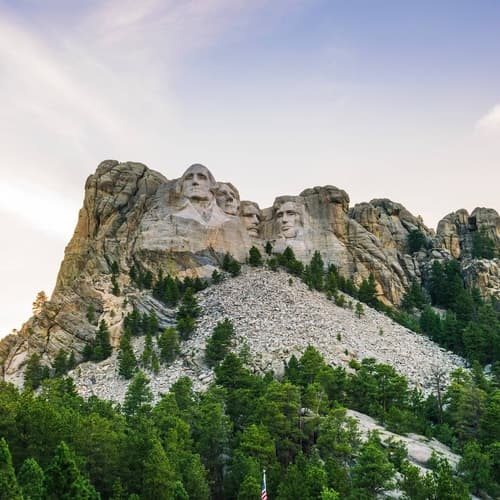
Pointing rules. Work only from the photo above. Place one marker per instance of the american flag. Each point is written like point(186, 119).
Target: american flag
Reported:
point(263, 493)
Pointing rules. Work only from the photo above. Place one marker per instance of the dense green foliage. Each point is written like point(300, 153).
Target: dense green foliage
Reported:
point(170, 290)
point(100, 348)
point(219, 342)
point(127, 363)
point(168, 342)
point(34, 372)
point(187, 313)
point(254, 257)
point(416, 240)
point(483, 247)
point(231, 265)
point(215, 444)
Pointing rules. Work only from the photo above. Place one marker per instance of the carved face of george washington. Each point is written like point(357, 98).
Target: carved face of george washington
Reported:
point(197, 182)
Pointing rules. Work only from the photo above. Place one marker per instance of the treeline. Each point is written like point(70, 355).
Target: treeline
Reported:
point(215, 444)
point(466, 325)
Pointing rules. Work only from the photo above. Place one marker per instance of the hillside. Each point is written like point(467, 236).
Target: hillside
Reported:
point(327, 383)
point(276, 320)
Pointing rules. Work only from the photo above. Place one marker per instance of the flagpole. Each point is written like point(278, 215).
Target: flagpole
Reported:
point(263, 493)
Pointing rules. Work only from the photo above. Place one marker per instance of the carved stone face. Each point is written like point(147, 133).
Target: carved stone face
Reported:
point(251, 218)
point(196, 183)
point(227, 198)
point(288, 218)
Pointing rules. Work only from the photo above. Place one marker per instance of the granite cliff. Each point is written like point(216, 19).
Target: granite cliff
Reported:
point(134, 217)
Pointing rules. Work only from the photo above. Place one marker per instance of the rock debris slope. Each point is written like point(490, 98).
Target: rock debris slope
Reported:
point(277, 319)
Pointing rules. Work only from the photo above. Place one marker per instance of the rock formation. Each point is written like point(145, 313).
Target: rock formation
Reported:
point(135, 217)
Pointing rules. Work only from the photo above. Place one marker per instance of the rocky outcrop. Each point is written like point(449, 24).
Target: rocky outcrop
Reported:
point(456, 231)
point(135, 217)
point(458, 234)
point(390, 222)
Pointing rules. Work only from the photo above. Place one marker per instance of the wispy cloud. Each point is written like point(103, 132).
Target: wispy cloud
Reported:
point(44, 210)
point(490, 122)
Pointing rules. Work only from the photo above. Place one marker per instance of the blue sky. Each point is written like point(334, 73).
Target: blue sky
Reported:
point(392, 99)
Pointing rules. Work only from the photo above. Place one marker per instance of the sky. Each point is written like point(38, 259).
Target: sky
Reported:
point(386, 98)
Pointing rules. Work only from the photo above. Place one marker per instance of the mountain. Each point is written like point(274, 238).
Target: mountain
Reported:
point(136, 222)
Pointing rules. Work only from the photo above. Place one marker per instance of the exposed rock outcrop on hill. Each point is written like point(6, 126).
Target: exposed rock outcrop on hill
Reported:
point(136, 217)
point(456, 231)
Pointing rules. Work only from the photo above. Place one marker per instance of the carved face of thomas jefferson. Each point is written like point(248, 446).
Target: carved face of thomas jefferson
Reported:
point(197, 183)
point(288, 218)
point(227, 198)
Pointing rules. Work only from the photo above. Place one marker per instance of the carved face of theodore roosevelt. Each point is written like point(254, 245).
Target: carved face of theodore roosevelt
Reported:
point(197, 183)
point(250, 214)
point(288, 217)
point(227, 198)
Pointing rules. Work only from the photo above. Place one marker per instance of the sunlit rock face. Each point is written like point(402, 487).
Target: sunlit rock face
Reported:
point(457, 234)
point(136, 217)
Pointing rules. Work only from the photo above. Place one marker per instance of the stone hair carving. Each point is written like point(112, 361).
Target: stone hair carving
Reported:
point(250, 214)
point(228, 197)
point(195, 194)
point(288, 216)
point(196, 184)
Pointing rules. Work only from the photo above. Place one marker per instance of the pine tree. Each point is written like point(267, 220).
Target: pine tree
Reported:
point(9, 489)
point(158, 478)
point(232, 266)
point(32, 480)
point(373, 471)
point(91, 313)
point(216, 277)
point(179, 492)
point(415, 240)
point(188, 311)
point(138, 395)
point(64, 480)
point(218, 344)
point(71, 361)
point(147, 280)
point(115, 289)
point(39, 303)
point(268, 248)
point(367, 292)
point(332, 280)
point(483, 247)
point(101, 348)
point(169, 345)
point(475, 467)
point(132, 322)
point(34, 373)
point(254, 257)
point(314, 272)
point(127, 364)
point(249, 489)
point(147, 353)
point(60, 364)
point(115, 268)
point(155, 363)
point(359, 309)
